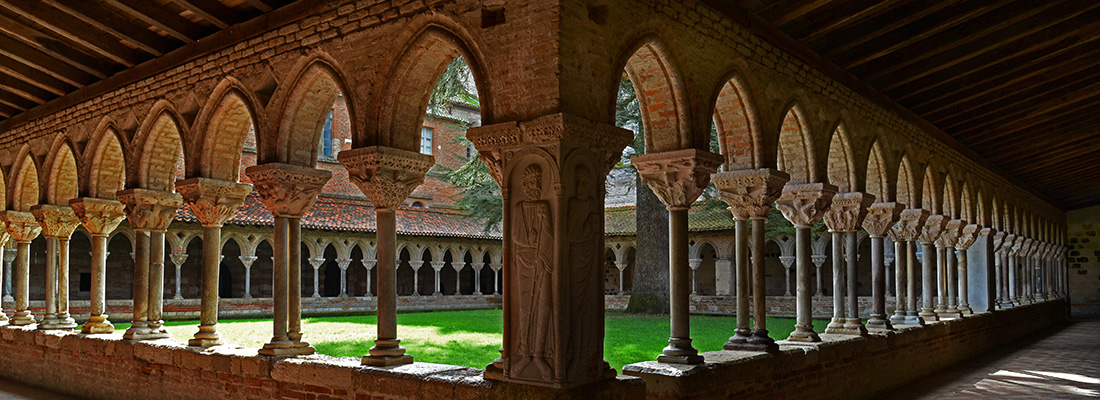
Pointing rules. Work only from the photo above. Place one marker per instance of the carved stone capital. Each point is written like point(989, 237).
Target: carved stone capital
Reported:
point(57, 221)
point(750, 193)
point(1013, 243)
point(998, 241)
point(968, 236)
point(949, 236)
point(804, 204)
point(287, 190)
point(98, 216)
point(881, 217)
point(1028, 247)
point(4, 238)
point(677, 177)
point(247, 261)
point(933, 225)
point(384, 174)
point(21, 225)
point(910, 224)
point(151, 210)
point(213, 201)
point(847, 210)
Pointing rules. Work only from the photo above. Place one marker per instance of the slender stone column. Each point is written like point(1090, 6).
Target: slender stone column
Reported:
point(906, 231)
point(788, 263)
point(247, 261)
point(1048, 268)
point(58, 224)
point(178, 260)
point(415, 265)
point(880, 218)
point(1015, 245)
point(149, 212)
point(750, 194)
point(23, 228)
point(836, 325)
point(966, 239)
point(9, 259)
point(369, 265)
point(900, 294)
point(5, 275)
point(458, 266)
point(694, 264)
point(999, 272)
point(316, 262)
point(933, 226)
point(845, 214)
point(99, 217)
point(1028, 267)
point(386, 176)
point(287, 191)
point(212, 202)
point(619, 265)
point(437, 267)
point(819, 261)
point(804, 205)
point(343, 264)
point(678, 178)
point(496, 267)
point(945, 253)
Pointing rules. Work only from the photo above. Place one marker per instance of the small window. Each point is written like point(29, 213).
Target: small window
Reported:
point(326, 137)
point(418, 204)
point(85, 282)
point(426, 140)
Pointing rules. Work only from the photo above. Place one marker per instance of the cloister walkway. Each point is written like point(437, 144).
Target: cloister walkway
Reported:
point(1060, 363)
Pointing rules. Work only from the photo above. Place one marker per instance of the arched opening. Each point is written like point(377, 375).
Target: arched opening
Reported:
point(332, 279)
point(120, 266)
point(966, 212)
point(262, 271)
point(930, 195)
point(225, 281)
point(906, 185)
point(487, 275)
point(795, 150)
point(610, 273)
point(705, 276)
point(878, 180)
point(426, 274)
point(775, 272)
point(841, 171)
point(25, 190)
point(950, 198)
point(62, 182)
point(228, 123)
point(108, 170)
point(161, 159)
point(735, 124)
point(405, 274)
point(231, 267)
point(448, 278)
point(191, 271)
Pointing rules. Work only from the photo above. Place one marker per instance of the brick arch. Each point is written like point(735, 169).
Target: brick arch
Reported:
point(950, 197)
point(796, 153)
point(907, 190)
point(24, 183)
point(841, 170)
point(226, 121)
point(931, 192)
point(304, 110)
point(157, 158)
point(409, 84)
point(996, 214)
point(980, 215)
point(966, 212)
point(661, 95)
point(107, 169)
point(878, 177)
point(738, 127)
point(62, 176)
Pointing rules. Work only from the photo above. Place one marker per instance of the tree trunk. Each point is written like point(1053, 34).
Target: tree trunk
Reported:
point(650, 290)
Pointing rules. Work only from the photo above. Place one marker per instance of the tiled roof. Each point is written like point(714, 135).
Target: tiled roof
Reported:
point(620, 221)
point(357, 215)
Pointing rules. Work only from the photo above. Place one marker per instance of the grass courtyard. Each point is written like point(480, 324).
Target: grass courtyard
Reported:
point(471, 338)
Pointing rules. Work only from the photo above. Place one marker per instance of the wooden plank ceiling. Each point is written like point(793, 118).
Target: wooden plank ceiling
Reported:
point(1016, 81)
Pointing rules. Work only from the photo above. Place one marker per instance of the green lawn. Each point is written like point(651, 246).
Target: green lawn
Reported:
point(471, 338)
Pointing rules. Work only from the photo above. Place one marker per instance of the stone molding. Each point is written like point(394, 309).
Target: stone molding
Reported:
point(933, 226)
point(968, 236)
point(213, 201)
point(847, 211)
point(21, 225)
point(1013, 244)
point(803, 204)
point(910, 224)
point(386, 175)
point(677, 177)
point(750, 193)
point(949, 236)
point(287, 190)
point(151, 210)
point(57, 221)
point(999, 241)
point(881, 217)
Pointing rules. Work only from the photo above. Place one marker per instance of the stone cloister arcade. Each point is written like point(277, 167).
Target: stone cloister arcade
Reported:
point(789, 136)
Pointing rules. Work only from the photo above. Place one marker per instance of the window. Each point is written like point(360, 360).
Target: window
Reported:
point(418, 204)
point(326, 137)
point(426, 140)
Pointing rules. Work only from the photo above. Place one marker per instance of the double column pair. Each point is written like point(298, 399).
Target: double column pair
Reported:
point(23, 228)
point(946, 307)
point(58, 224)
point(905, 233)
point(844, 216)
point(149, 212)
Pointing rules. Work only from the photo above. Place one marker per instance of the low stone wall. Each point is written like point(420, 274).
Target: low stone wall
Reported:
point(120, 310)
point(845, 367)
point(778, 306)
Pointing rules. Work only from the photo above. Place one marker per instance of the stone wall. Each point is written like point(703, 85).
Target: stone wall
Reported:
point(1084, 261)
point(845, 367)
point(778, 306)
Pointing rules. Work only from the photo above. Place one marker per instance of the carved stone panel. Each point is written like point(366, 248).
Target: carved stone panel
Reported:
point(847, 210)
point(287, 190)
point(933, 225)
point(750, 193)
point(949, 236)
point(968, 236)
point(910, 224)
point(21, 225)
point(386, 175)
point(805, 204)
point(148, 209)
point(56, 221)
point(677, 177)
point(881, 217)
point(98, 216)
point(213, 201)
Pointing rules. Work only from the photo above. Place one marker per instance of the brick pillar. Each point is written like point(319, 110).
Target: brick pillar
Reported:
point(149, 212)
point(386, 176)
point(58, 224)
point(905, 232)
point(213, 202)
point(844, 215)
point(23, 228)
point(750, 194)
point(287, 191)
point(551, 171)
point(99, 217)
point(880, 218)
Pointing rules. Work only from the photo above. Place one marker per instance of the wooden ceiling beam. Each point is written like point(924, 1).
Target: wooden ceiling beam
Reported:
point(841, 16)
point(260, 5)
point(1032, 30)
point(110, 22)
point(834, 44)
point(50, 86)
point(75, 31)
point(213, 11)
point(1051, 144)
point(1018, 124)
point(15, 101)
point(23, 88)
point(1006, 103)
point(7, 112)
point(1028, 108)
point(792, 11)
point(158, 16)
point(43, 62)
point(54, 48)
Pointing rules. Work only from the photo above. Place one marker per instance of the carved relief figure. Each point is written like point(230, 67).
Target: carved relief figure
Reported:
point(584, 261)
point(534, 261)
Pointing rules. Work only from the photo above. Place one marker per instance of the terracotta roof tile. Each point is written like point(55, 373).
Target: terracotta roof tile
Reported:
point(621, 221)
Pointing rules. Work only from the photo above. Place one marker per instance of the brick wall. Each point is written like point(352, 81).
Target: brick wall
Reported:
point(1084, 261)
point(778, 306)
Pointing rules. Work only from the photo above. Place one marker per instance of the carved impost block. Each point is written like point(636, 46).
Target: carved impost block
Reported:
point(21, 225)
point(287, 190)
point(804, 204)
point(384, 174)
point(496, 142)
point(1012, 244)
point(847, 211)
point(949, 236)
point(933, 225)
point(4, 236)
point(968, 236)
point(750, 193)
point(677, 177)
point(213, 201)
point(909, 225)
point(999, 241)
point(1028, 247)
point(151, 210)
point(57, 221)
point(881, 217)
point(98, 216)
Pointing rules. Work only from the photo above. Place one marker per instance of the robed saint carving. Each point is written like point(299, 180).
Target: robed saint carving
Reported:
point(534, 260)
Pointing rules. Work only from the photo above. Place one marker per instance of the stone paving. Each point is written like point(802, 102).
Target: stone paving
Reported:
point(17, 391)
point(1061, 363)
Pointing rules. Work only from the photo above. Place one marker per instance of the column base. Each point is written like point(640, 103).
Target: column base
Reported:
point(940, 309)
point(437, 294)
point(3, 318)
point(855, 324)
point(739, 336)
point(495, 370)
point(148, 335)
point(22, 318)
point(304, 349)
point(879, 323)
point(965, 309)
point(898, 318)
point(207, 336)
point(928, 315)
point(48, 320)
point(138, 329)
point(950, 314)
point(97, 324)
point(1006, 303)
point(759, 341)
point(247, 296)
point(387, 352)
point(58, 325)
point(836, 327)
point(680, 351)
point(177, 297)
point(914, 319)
point(803, 333)
point(343, 295)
